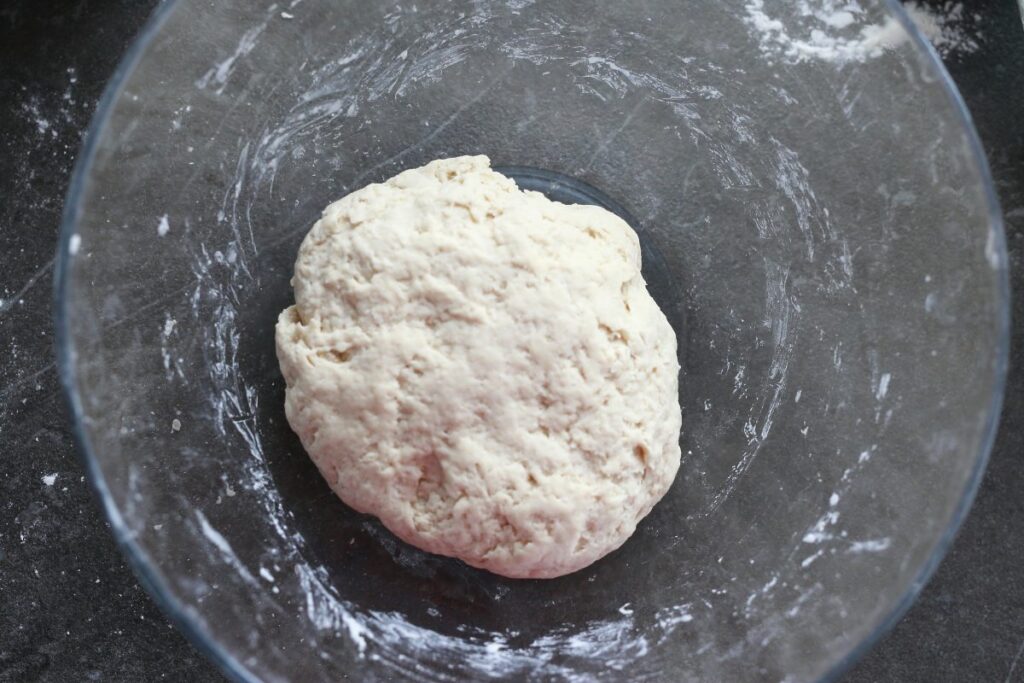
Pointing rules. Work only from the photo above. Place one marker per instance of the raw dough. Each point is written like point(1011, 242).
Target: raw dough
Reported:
point(482, 369)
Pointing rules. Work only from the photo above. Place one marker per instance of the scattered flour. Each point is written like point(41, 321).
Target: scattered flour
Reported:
point(950, 28)
point(50, 479)
point(164, 226)
point(871, 546)
point(839, 30)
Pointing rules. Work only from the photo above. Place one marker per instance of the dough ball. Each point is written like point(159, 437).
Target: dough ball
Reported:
point(482, 369)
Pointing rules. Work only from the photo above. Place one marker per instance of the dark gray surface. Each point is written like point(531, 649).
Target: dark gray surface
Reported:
point(70, 610)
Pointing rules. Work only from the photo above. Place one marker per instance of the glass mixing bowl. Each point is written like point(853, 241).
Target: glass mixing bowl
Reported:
point(818, 224)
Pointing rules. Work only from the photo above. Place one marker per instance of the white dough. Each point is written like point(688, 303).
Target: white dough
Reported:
point(482, 369)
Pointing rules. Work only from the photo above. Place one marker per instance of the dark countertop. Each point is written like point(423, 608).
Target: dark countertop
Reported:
point(71, 610)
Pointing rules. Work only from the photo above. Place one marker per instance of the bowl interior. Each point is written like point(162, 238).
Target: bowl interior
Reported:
point(819, 231)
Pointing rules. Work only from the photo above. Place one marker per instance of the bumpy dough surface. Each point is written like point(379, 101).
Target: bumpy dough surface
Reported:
point(482, 369)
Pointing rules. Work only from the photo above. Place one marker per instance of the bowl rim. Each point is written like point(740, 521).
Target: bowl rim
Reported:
point(997, 233)
point(148, 573)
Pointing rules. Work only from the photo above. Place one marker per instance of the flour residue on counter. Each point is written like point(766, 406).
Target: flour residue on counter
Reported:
point(842, 31)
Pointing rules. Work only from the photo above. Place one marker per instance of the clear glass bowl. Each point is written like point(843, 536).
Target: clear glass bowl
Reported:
point(818, 223)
